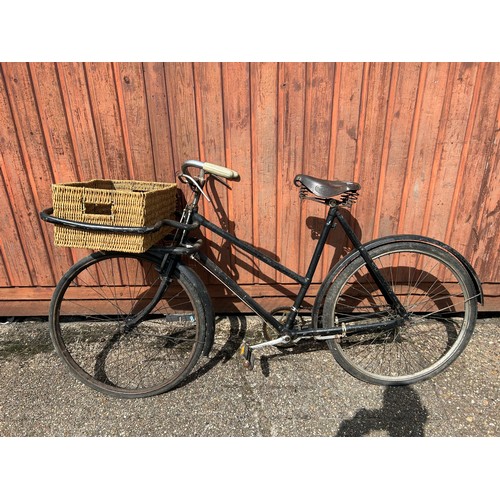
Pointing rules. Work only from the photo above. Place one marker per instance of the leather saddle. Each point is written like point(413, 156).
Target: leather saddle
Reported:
point(325, 189)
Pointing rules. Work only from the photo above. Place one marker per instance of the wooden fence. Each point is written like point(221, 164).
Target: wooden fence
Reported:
point(422, 139)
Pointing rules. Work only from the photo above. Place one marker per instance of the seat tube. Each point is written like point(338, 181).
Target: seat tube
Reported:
point(332, 213)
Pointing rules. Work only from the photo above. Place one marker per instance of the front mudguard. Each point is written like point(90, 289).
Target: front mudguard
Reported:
point(206, 301)
point(208, 309)
point(354, 254)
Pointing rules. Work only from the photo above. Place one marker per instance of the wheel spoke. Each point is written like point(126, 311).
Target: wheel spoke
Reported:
point(428, 340)
point(102, 350)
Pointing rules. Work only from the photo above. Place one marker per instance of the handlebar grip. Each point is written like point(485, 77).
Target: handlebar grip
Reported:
point(227, 173)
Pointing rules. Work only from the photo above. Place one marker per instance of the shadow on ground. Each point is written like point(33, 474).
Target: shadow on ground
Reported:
point(402, 414)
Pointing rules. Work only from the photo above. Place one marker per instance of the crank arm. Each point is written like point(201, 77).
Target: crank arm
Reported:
point(285, 339)
point(247, 351)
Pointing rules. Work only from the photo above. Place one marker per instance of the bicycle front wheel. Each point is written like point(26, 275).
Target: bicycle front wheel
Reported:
point(98, 330)
point(436, 291)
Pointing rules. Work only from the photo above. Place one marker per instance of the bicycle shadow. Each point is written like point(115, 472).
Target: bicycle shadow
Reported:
point(402, 415)
point(225, 352)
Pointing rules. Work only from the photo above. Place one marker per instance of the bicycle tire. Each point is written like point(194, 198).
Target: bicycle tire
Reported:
point(88, 324)
point(437, 292)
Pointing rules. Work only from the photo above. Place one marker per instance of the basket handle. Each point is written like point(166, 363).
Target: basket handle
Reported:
point(99, 212)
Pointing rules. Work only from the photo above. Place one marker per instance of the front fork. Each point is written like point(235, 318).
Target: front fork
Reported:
point(165, 269)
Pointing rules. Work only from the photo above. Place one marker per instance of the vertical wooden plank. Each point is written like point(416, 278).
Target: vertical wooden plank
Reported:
point(17, 175)
point(75, 94)
point(363, 105)
point(345, 140)
point(4, 278)
point(390, 195)
point(264, 82)
point(412, 143)
point(237, 135)
point(179, 78)
point(15, 259)
point(484, 242)
point(464, 154)
point(54, 123)
point(379, 78)
point(476, 188)
point(292, 95)
point(107, 120)
point(107, 116)
point(157, 108)
point(134, 117)
point(208, 92)
point(182, 111)
point(445, 173)
point(434, 95)
point(76, 98)
point(385, 149)
point(317, 139)
point(59, 148)
point(350, 76)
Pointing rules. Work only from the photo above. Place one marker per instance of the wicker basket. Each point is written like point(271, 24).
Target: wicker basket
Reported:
point(112, 203)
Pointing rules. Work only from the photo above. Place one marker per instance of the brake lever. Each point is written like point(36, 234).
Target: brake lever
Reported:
point(191, 181)
point(221, 181)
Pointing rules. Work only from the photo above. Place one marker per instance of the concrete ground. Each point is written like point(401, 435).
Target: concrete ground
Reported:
point(298, 393)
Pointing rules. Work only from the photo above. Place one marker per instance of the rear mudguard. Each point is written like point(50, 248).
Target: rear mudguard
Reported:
point(345, 261)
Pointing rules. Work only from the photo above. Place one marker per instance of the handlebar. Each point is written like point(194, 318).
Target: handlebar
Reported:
point(210, 168)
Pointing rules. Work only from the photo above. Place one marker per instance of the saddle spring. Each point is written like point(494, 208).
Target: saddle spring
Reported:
point(347, 199)
point(304, 194)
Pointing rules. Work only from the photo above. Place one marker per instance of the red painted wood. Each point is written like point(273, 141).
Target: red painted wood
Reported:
point(265, 167)
point(421, 138)
point(238, 143)
point(292, 108)
point(159, 121)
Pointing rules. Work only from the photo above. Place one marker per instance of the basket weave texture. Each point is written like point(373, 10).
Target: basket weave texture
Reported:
point(112, 203)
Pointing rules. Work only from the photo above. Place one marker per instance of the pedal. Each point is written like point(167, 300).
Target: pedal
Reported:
point(248, 356)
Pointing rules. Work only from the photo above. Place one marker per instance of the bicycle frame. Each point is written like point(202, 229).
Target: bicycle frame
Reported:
point(360, 295)
point(191, 220)
point(305, 281)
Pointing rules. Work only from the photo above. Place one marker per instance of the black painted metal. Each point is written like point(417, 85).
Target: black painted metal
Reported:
point(312, 266)
point(46, 216)
point(351, 328)
point(386, 290)
point(304, 281)
point(231, 285)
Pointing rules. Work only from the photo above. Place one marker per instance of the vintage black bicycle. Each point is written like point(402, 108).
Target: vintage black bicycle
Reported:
point(394, 311)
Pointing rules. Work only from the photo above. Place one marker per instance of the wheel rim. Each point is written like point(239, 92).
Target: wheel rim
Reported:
point(438, 304)
point(91, 326)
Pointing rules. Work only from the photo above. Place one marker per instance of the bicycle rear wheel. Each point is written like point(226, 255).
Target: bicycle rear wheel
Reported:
point(436, 291)
point(93, 328)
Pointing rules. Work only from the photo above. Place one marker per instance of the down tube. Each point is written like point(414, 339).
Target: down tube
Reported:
point(231, 285)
